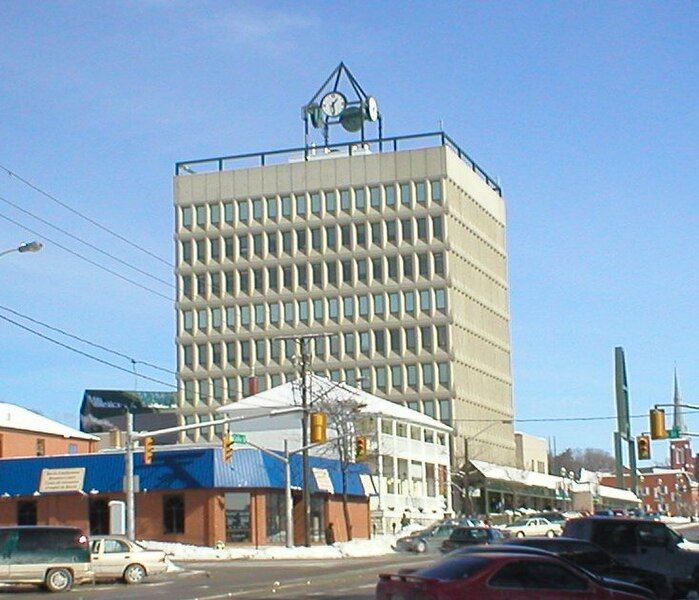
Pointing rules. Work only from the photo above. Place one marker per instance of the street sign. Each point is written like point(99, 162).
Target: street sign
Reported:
point(673, 433)
point(239, 438)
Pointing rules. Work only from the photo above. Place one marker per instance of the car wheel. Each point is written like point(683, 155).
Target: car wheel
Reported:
point(421, 547)
point(59, 580)
point(550, 533)
point(519, 534)
point(134, 574)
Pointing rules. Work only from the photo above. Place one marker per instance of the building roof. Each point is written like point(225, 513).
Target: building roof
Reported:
point(289, 394)
point(19, 418)
point(606, 491)
point(514, 475)
point(186, 467)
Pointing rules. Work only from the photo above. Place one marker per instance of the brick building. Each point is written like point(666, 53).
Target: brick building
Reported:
point(26, 433)
point(187, 495)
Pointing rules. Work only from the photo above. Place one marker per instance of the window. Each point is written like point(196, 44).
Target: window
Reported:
point(301, 204)
point(422, 229)
point(443, 369)
point(259, 314)
point(301, 276)
point(272, 243)
point(333, 308)
point(187, 323)
point(438, 227)
point(98, 511)
point(394, 335)
point(360, 233)
point(301, 240)
point(216, 318)
point(412, 375)
point(394, 303)
point(257, 209)
point(317, 274)
point(376, 268)
point(392, 262)
point(243, 214)
point(381, 378)
point(331, 268)
point(359, 199)
point(257, 244)
point(228, 212)
point(201, 284)
point(189, 390)
point(361, 270)
point(40, 447)
point(186, 252)
point(286, 206)
point(202, 354)
point(349, 342)
point(275, 517)
point(303, 311)
point(243, 246)
point(409, 301)
point(378, 304)
point(380, 341)
point(397, 376)
point(652, 536)
point(347, 271)
point(330, 237)
point(375, 197)
point(289, 312)
point(405, 193)
point(436, 188)
point(420, 193)
point(245, 351)
point(245, 316)
point(286, 277)
point(425, 300)
point(215, 283)
point(407, 229)
point(348, 307)
point(363, 306)
point(445, 411)
point(330, 202)
point(201, 216)
point(428, 409)
point(315, 239)
point(423, 265)
point(391, 231)
point(346, 235)
point(376, 233)
point(428, 376)
point(345, 203)
point(438, 263)
point(315, 203)
point(187, 356)
point(26, 513)
point(173, 513)
point(440, 299)
point(271, 208)
point(201, 250)
point(274, 313)
point(187, 216)
point(318, 310)
point(410, 339)
point(286, 242)
point(390, 192)
point(258, 279)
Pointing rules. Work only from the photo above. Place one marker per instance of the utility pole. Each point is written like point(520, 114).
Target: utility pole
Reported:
point(129, 479)
point(305, 392)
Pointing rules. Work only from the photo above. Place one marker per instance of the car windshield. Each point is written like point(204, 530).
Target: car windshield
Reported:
point(455, 568)
point(469, 534)
point(519, 523)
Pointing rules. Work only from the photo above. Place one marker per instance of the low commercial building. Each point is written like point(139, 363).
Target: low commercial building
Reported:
point(187, 494)
point(26, 433)
point(407, 451)
point(531, 453)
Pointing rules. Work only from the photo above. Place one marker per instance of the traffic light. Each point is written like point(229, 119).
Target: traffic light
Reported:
point(657, 424)
point(360, 452)
point(147, 450)
point(227, 442)
point(319, 427)
point(643, 447)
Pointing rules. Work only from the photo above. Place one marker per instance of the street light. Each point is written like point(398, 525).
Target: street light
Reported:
point(33, 246)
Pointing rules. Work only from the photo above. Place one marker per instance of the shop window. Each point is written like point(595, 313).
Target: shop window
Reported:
point(99, 517)
point(173, 514)
point(275, 518)
point(317, 518)
point(238, 517)
point(26, 513)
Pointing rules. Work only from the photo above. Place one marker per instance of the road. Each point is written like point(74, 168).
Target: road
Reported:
point(349, 579)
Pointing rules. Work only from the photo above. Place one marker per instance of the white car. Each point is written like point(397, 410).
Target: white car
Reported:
point(115, 557)
point(532, 526)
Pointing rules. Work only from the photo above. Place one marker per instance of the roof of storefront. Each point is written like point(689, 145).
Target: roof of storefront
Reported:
point(175, 469)
point(289, 394)
point(19, 418)
point(514, 475)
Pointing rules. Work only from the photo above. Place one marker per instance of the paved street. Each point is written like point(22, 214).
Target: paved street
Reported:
point(350, 579)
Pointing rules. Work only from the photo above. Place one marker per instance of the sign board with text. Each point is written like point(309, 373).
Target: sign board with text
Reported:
point(62, 480)
point(323, 481)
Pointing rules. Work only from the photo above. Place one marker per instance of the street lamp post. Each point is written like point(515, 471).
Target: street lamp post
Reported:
point(24, 247)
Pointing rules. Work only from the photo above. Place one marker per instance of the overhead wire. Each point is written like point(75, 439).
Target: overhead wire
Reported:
point(90, 220)
point(84, 258)
point(86, 243)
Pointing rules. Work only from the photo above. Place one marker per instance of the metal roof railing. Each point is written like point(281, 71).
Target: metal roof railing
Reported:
point(303, 153)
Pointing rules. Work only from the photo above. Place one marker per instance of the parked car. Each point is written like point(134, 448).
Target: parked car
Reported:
point(498, 576)
point(532, 526)
point(471, 536)
point(115, 557)
point(425, 539)
point(551, 516)
point(596, 560)
point(607, 582)
point(55, 557)
point(644, 544)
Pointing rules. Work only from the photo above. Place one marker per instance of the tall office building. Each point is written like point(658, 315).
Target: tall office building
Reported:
point(397, 255)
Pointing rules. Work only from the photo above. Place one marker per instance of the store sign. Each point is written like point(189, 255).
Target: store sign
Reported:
point(62, 480)
point(368, 484)
point(323, 481)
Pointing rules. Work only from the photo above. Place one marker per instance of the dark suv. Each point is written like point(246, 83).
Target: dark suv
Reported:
point(641, 543)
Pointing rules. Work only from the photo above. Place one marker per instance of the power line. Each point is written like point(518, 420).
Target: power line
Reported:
point(36, 188)
point(88, 260)
point(86, 243)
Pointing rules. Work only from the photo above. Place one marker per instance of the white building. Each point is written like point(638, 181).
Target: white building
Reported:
point(408, 451)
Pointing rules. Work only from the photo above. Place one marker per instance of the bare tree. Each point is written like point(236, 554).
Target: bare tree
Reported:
point(343, 410)
point(591, 459)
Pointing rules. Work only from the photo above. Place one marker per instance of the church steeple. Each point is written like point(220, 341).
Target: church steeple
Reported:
point(678, 416)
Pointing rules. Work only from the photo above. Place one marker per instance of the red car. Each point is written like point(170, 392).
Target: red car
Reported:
point(500, 576)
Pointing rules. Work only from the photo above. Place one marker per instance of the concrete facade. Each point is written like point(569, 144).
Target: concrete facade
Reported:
point(399, 257)
point(532, 453)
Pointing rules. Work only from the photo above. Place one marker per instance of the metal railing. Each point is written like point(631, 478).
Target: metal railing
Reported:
point(303, 153)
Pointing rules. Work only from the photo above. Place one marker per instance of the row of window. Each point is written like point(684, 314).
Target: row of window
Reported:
point(317, 203)
point(320, 239)
point(398, 378)
point(399, 340)
point(320, 310)
point(320, 274)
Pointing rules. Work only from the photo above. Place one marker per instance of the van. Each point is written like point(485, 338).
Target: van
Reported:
point(55, 557)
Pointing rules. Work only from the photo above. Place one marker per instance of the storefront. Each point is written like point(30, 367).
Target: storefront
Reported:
point(187, 495)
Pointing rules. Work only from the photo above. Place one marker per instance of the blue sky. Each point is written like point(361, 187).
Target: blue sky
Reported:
point(587, 112)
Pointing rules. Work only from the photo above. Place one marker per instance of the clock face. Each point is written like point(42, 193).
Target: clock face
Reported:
point(372, 108)
point(333, 104)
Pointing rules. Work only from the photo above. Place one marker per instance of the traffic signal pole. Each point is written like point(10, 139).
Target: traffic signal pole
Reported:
point(129, 480)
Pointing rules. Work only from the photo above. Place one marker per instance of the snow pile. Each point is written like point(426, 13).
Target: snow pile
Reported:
point(377, 546)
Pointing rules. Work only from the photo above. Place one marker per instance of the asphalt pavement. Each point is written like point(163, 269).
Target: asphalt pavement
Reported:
point(348, 578)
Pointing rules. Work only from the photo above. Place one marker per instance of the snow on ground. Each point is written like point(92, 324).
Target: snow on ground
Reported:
point(377, 546)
